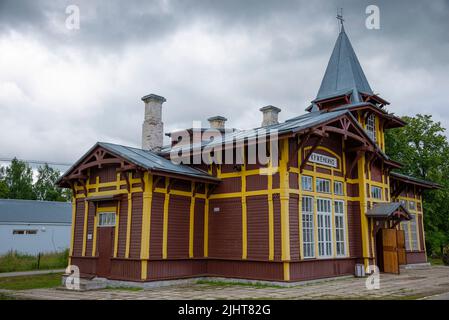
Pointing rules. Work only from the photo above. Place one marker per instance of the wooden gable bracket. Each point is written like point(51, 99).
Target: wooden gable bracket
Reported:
point(369, 161)
point(196, 186)
point(156, 182)
point(298, 146)
point(83, 184)
point(345, 124)
point(169, 185)
point(210, 190)
point(360, 153)
point(398, 190)
point(306, 158)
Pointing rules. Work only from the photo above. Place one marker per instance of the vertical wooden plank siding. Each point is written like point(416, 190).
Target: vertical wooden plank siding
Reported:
point(86, 213)
point(146, 224)
point(165, 226)
point(258, 228)
point(79, 227)
point(157, 223)
point(198, 229)
point(284, 196)
point(123, 226)
point(128, 221)
point(206, 225)
point(192, 220)
point(117, 230)
point(136, 225)
point(72, 228)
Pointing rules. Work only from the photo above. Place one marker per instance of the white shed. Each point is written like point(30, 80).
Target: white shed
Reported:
point(32, 227)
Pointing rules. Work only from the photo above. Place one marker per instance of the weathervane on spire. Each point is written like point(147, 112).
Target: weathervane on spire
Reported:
point(340, 17)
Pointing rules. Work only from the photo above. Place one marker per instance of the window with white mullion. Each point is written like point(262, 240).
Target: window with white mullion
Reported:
point(324, 219)
point(405, 226)
point(339, 213)
point(308, 242)
point(371, 126)
point(413, 233)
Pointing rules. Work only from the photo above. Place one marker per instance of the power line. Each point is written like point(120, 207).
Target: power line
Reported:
point(38, 162)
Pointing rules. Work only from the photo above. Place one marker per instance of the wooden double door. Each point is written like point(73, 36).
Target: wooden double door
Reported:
point(390, 249)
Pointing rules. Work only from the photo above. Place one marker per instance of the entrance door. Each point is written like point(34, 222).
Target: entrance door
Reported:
point(105, 247)
point(390, 251)
point(401, 247)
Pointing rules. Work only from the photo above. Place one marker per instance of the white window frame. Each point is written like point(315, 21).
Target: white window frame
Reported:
point(106, 219)
point(370, 127)
point(413, 232)
point(340, 228)
point(324, 226)
point(308, 181)
point(308, 227)
point(412, 205)
point(326, 182)
point(406, 235)
point(373, 193)
point(340, 184)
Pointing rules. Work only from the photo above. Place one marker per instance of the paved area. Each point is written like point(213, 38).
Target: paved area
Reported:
point(30, 273)
point(410, 284)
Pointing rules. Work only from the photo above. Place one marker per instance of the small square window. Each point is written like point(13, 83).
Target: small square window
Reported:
point(323, 185)
point(338, 188)
point(306, 183)
point(376, 192)
point(106, 219)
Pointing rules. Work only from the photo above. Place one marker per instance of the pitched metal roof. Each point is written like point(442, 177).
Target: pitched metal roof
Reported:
point(149, 161)
point(296, 124)
point(344, 72)
point(33, 211)
point(385, 210)
point(410, 179)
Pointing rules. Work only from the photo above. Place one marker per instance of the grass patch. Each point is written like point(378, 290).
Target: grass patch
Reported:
point(51, 280)
point(229, 283)
point(13, 261)
point(435, 261)
point(4, 296)
point(124, 288)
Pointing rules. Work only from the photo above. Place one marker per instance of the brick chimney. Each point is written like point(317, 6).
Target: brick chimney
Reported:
point(217, 122)
point(270, 115)
point(152, 127)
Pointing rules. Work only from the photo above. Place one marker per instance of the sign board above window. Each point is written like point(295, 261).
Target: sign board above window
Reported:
point(324, 160)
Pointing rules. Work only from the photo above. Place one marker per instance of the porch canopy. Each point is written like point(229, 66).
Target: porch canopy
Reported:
point(393, 212)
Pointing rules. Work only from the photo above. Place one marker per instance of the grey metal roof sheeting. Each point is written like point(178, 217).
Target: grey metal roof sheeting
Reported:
point(33, 211)
point(413, 179)
point(384, 210)
point(343, 72)
point(299, 123)
point(151, 161)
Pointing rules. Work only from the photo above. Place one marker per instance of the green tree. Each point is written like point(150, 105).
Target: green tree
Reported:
point(423, 149)
point(45, 187)
point(4, 190)
point(18, 178)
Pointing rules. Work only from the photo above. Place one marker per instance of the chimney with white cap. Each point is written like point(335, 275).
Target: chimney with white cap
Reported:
point(270, 115)
point(152, 127)
point(217, 122)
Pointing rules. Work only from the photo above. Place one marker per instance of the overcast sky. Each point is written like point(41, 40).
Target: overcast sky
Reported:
point(62, 90)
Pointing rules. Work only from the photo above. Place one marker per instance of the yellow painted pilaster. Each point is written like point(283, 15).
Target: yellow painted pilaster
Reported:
point(270, 215)
point(284, 197)
point(94, 238)
point(363, 208)
point(206, 226)
point(165, 228)
point(287, 271)
point(192, 221)
point(72, 234)
point(128, 223)
point(244, 217)
point(146, 223)
point(117, 225)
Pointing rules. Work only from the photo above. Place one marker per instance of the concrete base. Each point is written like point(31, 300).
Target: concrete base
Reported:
point(102, 283)
point(84, 285)
point(425, 265)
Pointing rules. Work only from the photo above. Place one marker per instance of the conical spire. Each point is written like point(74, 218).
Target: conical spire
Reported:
point(343, 72)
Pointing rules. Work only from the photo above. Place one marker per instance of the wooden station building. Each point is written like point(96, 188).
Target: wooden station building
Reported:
point(331, 203)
